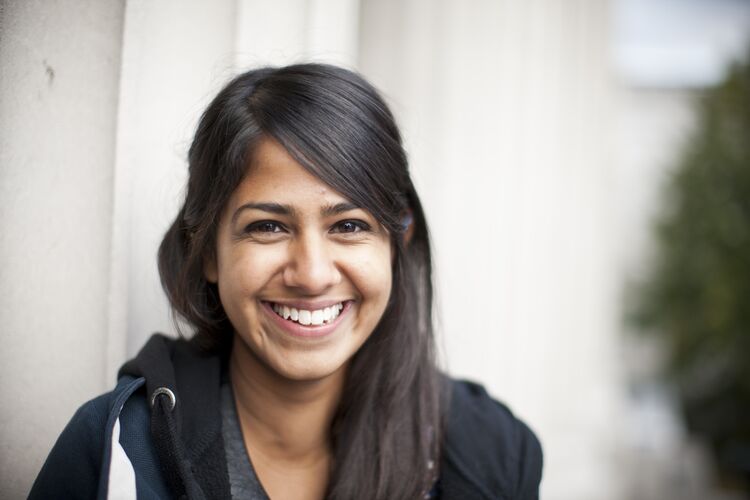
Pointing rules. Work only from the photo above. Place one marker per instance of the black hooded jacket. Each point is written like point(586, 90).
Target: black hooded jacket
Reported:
point(143, 440)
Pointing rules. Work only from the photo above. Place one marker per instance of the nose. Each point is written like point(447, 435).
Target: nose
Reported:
point(311, 268)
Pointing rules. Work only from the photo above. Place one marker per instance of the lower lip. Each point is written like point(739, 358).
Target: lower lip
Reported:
point(309, 331)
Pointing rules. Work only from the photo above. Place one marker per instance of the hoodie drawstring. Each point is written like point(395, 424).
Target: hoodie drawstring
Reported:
point(169, 447)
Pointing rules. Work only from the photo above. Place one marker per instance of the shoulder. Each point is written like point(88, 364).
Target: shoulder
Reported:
point(74, 465)
point(487, 451)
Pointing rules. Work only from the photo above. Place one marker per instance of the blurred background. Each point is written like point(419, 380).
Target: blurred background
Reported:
point(585, 166)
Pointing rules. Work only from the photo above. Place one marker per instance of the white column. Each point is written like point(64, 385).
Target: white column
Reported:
point(58, 102)
point(505, 106)
point(176, 55)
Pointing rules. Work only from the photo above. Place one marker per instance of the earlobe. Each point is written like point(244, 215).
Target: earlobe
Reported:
point(209, 269)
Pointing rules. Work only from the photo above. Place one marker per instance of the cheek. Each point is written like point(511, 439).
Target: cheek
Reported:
point(373, 277)
point(243, 272)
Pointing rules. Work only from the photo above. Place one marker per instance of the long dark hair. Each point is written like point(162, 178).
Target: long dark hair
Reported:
point(387, 430)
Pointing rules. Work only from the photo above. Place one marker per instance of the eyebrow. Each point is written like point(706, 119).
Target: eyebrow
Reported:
point(288, 210)
point(338, 208)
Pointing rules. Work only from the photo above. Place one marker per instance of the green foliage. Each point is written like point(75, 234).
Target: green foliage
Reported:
point(698, 295)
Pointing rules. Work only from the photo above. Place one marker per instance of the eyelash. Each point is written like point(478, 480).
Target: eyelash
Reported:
point(262, 226)
point(256, 227)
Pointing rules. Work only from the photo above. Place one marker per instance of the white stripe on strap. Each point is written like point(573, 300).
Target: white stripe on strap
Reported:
point(121, 473)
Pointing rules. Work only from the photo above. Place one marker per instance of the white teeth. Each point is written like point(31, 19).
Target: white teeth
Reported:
point(335, 311)
point(305, 317)
point(317, 317)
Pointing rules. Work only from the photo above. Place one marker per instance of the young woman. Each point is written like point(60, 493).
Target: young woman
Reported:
point(301, 261)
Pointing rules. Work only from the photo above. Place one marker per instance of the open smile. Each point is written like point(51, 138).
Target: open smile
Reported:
point(304, 322)
point(307, 317)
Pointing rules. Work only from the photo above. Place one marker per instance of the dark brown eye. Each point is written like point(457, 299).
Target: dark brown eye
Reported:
point(263, 227)
point(350, 226)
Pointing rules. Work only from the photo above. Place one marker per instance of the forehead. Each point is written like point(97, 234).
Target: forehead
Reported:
point(274, 175)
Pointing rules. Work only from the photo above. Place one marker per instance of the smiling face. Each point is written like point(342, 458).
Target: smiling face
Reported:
point(303, 275)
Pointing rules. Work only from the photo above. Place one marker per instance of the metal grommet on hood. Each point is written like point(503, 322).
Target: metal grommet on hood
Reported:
point(165, 392)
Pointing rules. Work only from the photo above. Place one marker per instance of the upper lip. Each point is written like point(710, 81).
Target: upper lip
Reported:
point(308, 305)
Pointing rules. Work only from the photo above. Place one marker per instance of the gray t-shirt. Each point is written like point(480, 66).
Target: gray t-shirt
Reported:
point(243, 482)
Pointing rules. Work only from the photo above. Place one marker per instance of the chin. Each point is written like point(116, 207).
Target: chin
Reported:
point(292, 358)
point(306, 368)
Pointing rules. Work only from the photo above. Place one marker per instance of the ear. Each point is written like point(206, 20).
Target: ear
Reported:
point(407, 223)
point(210, 271)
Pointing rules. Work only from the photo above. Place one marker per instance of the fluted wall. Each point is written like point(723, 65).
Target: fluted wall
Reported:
point(506, 107)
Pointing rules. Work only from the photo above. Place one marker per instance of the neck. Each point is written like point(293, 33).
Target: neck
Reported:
point(285, 421)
